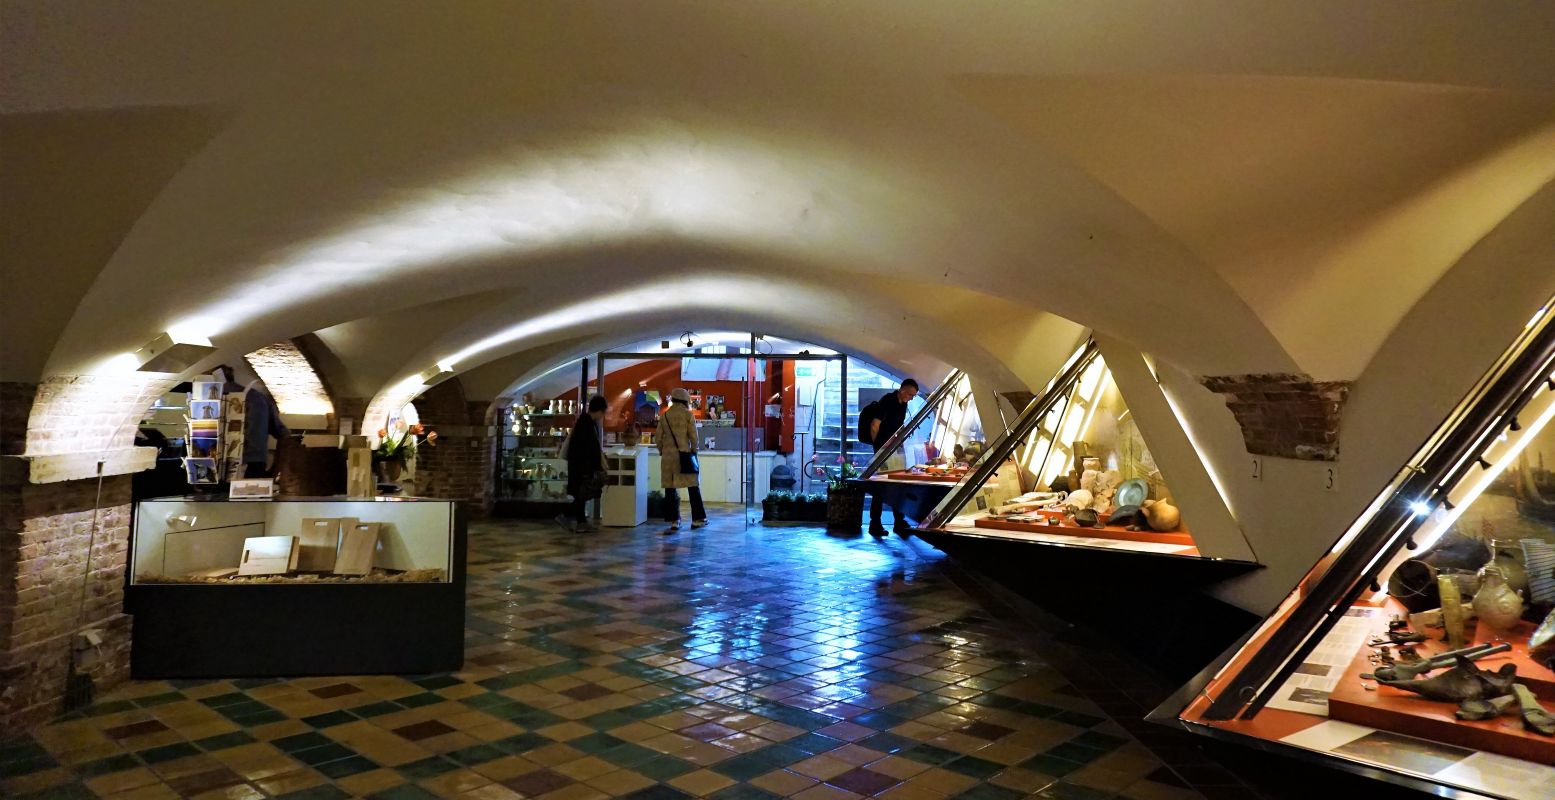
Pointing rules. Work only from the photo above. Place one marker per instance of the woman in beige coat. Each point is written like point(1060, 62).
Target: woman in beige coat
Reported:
point(677, 434)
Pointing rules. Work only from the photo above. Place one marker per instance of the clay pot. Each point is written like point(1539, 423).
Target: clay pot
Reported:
point(1496, 604)
point(1162, 515)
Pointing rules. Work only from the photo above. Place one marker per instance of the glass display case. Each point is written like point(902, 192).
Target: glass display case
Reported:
point(939, 441)
point(1421, 648)
point(342, 586)
point(1073, 470)
point(531, 475)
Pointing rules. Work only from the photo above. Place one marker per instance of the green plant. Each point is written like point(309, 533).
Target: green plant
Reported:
point(844, 474)
point(814, 497)
point(781, 496)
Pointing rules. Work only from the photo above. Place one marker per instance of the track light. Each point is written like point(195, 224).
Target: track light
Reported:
point(1483, 464)
point(168, 353)
point(435, 373)
point(1516, 426)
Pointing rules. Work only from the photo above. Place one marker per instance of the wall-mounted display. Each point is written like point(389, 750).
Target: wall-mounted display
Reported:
point(342, 586)
point(1421, 648)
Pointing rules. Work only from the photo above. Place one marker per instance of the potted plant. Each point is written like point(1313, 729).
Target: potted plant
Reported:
point(655, 504)
point(777, 506)
point(844, 500)
point(397, 446)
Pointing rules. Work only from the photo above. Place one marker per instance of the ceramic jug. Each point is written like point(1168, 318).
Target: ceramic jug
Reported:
point(1507, 556)
point(1162, 515)
point(1496, 604)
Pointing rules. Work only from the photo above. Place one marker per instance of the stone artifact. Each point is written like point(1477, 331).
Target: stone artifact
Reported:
point(1128, 517)
point(1535, 717)
point(1086, 517)
point(1496, 603)
point(1463, 682)
point(1162, 515)
point(1079, 499)
point(1485, 709)
point(1541, 645)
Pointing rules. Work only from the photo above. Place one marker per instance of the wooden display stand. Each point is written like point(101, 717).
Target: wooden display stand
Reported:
point(1060, 528)
point(908, 475)
point(1396, 710)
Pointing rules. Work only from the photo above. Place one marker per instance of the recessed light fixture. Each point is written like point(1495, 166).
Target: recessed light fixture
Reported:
point(168, 353)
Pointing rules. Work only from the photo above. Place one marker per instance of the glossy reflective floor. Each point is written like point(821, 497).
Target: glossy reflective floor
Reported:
point(724, 662)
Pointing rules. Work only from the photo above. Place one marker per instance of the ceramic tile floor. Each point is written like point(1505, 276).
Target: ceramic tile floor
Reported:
point(725, 663)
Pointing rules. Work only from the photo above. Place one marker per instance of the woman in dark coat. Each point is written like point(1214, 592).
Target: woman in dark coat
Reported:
point(585, 465)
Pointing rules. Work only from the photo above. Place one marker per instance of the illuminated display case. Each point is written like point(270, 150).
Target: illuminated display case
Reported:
point(296, 586)
point(1457, 554)
point(932, 451)
point(938, 443)
point(1074, 470)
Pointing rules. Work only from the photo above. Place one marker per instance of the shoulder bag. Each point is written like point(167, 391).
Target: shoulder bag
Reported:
point(688, 461)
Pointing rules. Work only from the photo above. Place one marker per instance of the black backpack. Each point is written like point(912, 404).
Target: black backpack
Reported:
point(867, 415)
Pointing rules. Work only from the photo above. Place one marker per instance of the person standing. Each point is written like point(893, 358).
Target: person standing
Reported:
point(678, 435)
point(888, 416)
point(261, 421)
point(585, 454)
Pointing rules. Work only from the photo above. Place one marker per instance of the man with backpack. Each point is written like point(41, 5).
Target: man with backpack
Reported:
point(876, 423)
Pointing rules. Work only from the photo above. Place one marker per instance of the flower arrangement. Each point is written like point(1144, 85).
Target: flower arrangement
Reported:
point(398, 442)
point(844, 473)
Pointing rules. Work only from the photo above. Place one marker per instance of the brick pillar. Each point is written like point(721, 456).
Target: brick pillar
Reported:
point(461, 465)
point(46, 531)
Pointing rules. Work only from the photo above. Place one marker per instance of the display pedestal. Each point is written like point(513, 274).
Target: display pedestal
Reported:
point(625, 501)
point(1396, 710)
point(298, 624)
point(1178, 537)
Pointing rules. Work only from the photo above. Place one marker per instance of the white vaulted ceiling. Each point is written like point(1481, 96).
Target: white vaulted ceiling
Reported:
point(1232, 189)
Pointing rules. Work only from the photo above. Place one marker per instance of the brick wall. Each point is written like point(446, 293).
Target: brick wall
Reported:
point(45, 533)
point(1285, 415)
point(90, 413)
point(460, 466)
point(291, 379)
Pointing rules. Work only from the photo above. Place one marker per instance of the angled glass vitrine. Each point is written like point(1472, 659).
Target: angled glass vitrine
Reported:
point(1457, 553)
point(1075, 470)
point(942, 436)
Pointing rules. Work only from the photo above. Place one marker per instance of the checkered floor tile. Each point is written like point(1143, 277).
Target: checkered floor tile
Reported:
point(729, 662)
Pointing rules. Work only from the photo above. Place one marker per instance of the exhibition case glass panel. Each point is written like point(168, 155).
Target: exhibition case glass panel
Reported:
point(1421, 648)
point(293, 540)
point(941, 438)
point(1073, 470)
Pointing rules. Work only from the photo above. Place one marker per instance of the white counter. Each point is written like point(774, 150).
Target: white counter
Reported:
point(720, 474)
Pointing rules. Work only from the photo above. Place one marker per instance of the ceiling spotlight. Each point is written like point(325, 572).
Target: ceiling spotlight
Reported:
point(169, 354)
point(685, 339)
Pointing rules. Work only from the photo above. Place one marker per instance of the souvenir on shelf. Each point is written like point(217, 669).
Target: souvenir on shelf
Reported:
point(206, 460)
